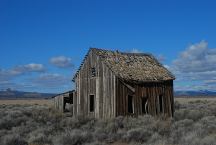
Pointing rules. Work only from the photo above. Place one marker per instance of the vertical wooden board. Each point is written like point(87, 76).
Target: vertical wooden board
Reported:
point(79, 90)
point(57, 106)
point(135, 105)
point(152, 101)
point(102, 90)
point(106, 91)
point(88, 74)
point(124, 100)
point(117, 96)
point(155, 99)
point(58, 103)
point(114, 93)
point(101, 101)
point(84, 87)
point(120, 103)
point(74, 104)
point(140, 101)
point(109, 93)
point(86, 95)
point(80, 97)
point(166, 98)
point(53, 102)
point(82, 93)
point(97, 105)
point(76, 94)
point(107, 75)
point(149, 99)
point(172, 98)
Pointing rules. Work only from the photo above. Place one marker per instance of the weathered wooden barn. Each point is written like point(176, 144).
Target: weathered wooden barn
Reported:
point(112, 83)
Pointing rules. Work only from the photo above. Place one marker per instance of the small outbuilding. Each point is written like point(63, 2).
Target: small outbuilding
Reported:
point(112, 83)
point(64, 101)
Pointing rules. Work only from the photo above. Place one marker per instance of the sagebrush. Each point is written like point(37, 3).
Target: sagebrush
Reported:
point(193, 124)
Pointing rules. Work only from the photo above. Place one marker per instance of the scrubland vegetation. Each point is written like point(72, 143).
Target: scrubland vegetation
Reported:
point(194, 124)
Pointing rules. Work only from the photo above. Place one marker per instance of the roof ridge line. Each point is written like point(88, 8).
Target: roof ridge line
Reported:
point(125, 53)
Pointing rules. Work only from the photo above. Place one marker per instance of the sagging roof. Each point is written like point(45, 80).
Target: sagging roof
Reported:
point(68, 92)
point(141, 67)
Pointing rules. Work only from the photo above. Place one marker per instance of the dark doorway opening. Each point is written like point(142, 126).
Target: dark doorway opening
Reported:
point(144, 105)
point(92, 103)
point(161, 103)
point(71, 98)
point(130, 104)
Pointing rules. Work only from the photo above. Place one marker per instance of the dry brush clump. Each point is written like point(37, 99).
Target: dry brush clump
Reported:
point(194, 124)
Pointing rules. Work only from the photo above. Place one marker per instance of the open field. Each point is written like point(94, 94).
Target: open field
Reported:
point(189, 99)
point(27, 102)
point(27, 123)
point(49, 101)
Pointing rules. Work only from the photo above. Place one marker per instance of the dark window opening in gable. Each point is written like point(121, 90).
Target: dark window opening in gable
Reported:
point(130, 104)
point(92, 103)
point(93, 72)
point(144, 105)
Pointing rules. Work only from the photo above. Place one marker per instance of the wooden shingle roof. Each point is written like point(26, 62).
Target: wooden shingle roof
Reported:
point(141, 67)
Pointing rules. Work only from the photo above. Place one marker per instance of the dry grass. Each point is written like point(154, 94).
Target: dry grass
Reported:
point(49, 102)
point(21, 124)
point(191, 99)
point(119, 143)
point(27, 102)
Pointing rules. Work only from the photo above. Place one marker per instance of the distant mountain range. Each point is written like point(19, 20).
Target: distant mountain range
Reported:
point(14, 94)
point(195, 93)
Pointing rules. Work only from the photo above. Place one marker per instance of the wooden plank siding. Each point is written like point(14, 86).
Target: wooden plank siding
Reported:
point(152, 91)
point(59, 102)
point(101, 86)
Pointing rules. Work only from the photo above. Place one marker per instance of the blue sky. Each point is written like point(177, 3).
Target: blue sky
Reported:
point(43, 42)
